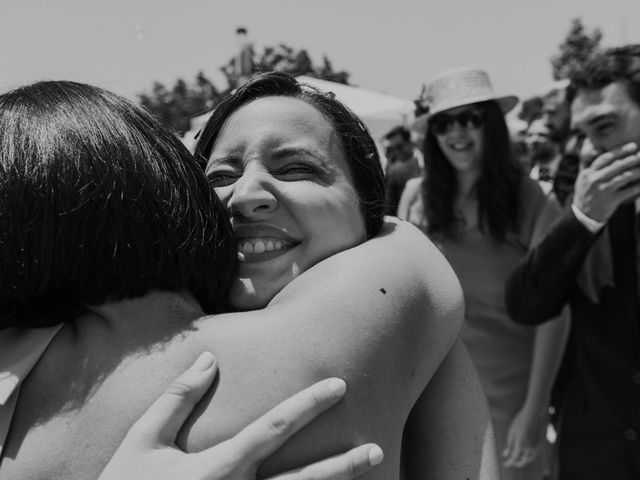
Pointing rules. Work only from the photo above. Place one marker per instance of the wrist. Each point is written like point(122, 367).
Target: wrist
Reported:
point(536, 409)
point(594, 226)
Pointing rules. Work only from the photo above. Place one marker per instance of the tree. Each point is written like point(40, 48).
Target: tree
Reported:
point(283, 58)
point(578, 46)
point(176, 107)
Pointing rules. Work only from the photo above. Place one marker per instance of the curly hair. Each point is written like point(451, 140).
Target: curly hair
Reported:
point(619, 64)
point(497, 188)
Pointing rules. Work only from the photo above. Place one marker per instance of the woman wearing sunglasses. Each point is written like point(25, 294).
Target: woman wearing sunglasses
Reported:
point(484, 214)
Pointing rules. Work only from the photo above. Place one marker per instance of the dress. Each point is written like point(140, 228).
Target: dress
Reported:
point(20, 350)
point(501, 349)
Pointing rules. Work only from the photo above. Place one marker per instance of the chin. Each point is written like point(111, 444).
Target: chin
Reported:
point(244, 296)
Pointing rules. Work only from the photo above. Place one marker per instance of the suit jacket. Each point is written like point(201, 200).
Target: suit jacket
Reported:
point(600, 422)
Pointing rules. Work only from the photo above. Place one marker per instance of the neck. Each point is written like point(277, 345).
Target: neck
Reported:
point(466, 183)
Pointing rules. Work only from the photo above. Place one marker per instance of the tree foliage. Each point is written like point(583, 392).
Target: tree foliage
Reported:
point(284, 58)
point(176, 106)
point(578, 46)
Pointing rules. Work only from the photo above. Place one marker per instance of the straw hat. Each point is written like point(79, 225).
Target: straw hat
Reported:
point(463, 86)
point(457, 87)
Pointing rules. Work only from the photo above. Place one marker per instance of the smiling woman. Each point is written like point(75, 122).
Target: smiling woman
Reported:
point(302, 182)
point(484, 214)
point(278, 167)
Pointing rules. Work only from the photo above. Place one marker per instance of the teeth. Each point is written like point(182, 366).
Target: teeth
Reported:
point(459, 146)
point(257, 246)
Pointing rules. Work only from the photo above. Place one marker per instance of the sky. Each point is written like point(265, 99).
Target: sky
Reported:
point(392, 46)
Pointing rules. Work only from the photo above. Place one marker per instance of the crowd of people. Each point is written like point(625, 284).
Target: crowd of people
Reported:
point(270, 259)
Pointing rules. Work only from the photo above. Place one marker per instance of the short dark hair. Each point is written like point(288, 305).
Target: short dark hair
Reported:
point(100, 202)
point(618, 64)
point(356, 142)
point(399, 131)
point(498, 187)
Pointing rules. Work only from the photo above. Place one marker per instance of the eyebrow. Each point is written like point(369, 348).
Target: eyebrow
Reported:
point(232, 160)
point(283, 152)
point(594, 120)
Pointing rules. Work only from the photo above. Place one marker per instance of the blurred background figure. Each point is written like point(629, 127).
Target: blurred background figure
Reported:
point(544, 154)
point(484, 213)
point(404, 162)
point(591, 260)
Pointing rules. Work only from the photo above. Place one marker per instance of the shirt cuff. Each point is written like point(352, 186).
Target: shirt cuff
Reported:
point(594, 226)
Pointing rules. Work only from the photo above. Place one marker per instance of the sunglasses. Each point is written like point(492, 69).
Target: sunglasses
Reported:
point(440, 124)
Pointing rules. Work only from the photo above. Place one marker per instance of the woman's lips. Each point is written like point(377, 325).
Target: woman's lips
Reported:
point(257, 245)
point(260, 242)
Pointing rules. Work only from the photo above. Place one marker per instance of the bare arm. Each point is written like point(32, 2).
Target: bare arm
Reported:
point(528, 427)
point(449, 433)
point(382, 316)
point(149, 452)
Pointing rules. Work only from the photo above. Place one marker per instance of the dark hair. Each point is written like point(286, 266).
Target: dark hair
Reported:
point(620, 64)
point(100, 202)
point(497, 188)
point(355, 140)
point(399, 130)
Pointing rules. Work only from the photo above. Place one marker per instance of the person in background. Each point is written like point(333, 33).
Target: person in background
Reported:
point(544, 154)
point(484, 213)
point(404, 162)
point(591, 260)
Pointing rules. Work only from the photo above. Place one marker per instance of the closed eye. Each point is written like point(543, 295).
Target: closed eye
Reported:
point(296, 172)
point(222, 178)
point(602, 125)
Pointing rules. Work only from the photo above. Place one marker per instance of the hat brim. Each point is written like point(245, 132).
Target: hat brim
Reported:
point(507, 103)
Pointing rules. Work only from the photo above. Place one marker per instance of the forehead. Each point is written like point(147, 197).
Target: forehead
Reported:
point(277, 117)
point(589, 105)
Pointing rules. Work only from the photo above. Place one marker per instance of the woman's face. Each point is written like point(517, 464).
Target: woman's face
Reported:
point(462, 142)
point(279, 168)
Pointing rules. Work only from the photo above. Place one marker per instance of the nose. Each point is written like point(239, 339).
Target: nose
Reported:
point(254, 196)
point(456, 128)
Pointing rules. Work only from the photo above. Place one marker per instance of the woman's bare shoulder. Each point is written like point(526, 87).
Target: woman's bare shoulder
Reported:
point(367, 315)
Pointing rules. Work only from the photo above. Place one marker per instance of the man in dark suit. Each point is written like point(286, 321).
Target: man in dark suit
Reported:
point(591, 259)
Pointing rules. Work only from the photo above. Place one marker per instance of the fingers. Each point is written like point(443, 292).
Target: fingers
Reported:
point(162, 421)
point(517, 455)
point(352, 464)
point(262, 437)
point(624, 165)
point(609, 157)
point(522, 457)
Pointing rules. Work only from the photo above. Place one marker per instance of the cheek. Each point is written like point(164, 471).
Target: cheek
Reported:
point(338, 222)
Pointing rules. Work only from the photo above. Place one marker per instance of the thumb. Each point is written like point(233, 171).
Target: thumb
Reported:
point(164, 418)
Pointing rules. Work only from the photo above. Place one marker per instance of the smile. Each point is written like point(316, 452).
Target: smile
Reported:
point(458, 147)
point(258, 245)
